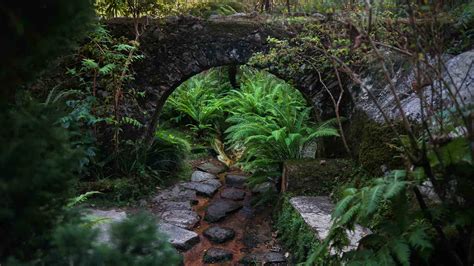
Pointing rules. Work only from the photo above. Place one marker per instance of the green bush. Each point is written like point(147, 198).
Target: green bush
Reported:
point(134, 241)
point(167, 153)
point(37, 170)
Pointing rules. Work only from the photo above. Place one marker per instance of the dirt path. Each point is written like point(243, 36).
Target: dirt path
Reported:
point(253, 240)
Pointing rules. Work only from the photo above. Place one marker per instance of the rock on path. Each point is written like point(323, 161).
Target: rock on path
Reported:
point(233, 194)
point(215, 255)
point(237, 181)
point(212, 168)
point(207, 190)
point(176, 193)
point(264, 258)
point(220, 208)
point(182, 218)
point(180, 238)
point(219, 234)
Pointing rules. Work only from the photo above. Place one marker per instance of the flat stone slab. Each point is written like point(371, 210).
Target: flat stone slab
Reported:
point(180, 238)
point(107, 218)
point(316, 212)
point(200, 176)
point(215, 255)
point(237, 181)
point(182, 218)
point(265, 258)
point(219, 209)
point(206, 178)
point(212, 168)
point(233, 194)
point(219, 234)
point(174, 206)
point(177, 193)
point(205, 189)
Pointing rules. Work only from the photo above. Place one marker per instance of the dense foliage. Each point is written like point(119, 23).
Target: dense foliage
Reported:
point(265, 121)
point(39, 167)
point(81, 130)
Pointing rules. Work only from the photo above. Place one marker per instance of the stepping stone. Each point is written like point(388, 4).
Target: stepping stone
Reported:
point(219, 234)
point(174, 206)
point(266, 258)
point(180, 238)
point(233, 194)
point(205, 178)
point(176, 193)
point(237, 181)
point(182, 218)
point(107, 218)
point(219, 209)
point(215, 255)
point(212, 168)
point(207, 190)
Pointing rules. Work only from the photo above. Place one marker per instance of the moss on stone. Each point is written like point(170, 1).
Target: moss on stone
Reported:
point(371, 144)
point(316, 177)
point(296, 236)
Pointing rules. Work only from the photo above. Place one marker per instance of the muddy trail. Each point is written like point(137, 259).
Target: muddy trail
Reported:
point(212, 221)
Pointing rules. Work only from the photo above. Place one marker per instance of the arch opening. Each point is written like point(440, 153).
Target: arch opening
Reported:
point(208, 110)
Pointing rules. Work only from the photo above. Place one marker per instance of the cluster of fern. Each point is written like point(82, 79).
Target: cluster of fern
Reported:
point(271, 122)
point(405, 231)
point(267, 120)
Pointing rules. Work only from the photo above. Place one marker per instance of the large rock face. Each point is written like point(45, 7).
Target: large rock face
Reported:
point(458, 73)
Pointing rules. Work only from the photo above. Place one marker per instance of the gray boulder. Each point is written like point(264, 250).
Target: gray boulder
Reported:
point(180, 238)
point(458, 73)
point(316, 212)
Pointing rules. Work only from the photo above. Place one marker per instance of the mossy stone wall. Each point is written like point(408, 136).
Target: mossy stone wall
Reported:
point(371, 144)
point(315, 176)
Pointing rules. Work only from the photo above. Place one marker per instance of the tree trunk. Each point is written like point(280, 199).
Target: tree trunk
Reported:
point(232, 73)
point(267, 5)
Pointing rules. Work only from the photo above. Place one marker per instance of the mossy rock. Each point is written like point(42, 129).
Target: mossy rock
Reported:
point(315, 176)
point(372, 144)
point(296, 236)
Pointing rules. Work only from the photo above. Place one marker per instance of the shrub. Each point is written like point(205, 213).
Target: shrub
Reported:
point(37, 170)
point(134, 241)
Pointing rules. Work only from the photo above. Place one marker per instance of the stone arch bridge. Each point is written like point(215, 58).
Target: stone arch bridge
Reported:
point(177, 48)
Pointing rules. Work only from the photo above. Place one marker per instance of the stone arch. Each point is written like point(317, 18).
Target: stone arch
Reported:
point(177, 48)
